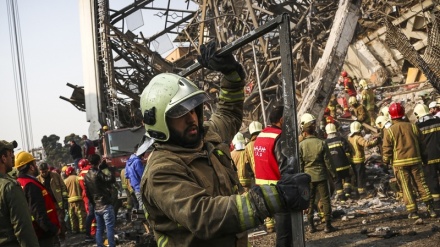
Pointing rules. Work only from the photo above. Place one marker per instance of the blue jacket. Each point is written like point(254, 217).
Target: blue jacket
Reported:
point(133, 171)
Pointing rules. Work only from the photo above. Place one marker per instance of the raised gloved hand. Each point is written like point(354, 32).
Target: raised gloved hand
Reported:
point(209, 58)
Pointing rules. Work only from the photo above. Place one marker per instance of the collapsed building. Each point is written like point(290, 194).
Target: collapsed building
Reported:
point(386, 42)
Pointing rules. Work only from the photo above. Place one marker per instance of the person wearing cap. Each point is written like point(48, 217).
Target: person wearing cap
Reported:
point(15, 218)
point(434, 109)
point(238, 155)
point(358, 144)
point(340, 155)
point(40, 202)
point(402, 147)
point(430, 131)
point(314, 158)
point(57, 188)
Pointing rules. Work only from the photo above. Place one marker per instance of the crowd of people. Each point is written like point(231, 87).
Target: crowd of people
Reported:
point(196, 192)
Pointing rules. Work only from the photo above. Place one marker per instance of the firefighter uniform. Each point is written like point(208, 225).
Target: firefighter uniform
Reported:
point(250, 152)
point(314, 157)
point(77, 210)
point(358, 144)
point(430, 130)
point(368, 99)
point(125, 183)
point(15, 224)
point(90, 222)
point(401, 147)
point(243, 168)
point(340, 155)
point(361, 114)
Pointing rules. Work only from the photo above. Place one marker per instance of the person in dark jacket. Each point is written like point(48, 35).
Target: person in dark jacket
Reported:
point(40, 202)
point(15, 219)
point(99, 185)
point(76, 153)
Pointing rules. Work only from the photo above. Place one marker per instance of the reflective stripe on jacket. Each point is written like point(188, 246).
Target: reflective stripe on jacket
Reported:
point(267, 170)
point(340, 152)
point(74, 191)
point(430, 130)
point(358, 144)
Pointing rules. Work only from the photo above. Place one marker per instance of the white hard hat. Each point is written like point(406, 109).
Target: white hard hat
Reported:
point(307, 119)
point(432, 104)
point(421, 110)
point(238, 141)
point(330, 128)
point(355, 127)
point(255, 127)
point(380, 121)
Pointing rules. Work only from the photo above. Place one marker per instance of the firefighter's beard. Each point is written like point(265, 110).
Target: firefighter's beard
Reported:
point(185, 139)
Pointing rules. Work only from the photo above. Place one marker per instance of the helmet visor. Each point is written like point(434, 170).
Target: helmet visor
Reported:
point(187, 105)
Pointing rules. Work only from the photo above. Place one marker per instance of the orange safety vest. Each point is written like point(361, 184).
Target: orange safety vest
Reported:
point(48, 202)
point(266, 166)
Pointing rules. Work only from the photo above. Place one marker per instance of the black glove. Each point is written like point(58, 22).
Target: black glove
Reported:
point(209, 59)
point(294, 190)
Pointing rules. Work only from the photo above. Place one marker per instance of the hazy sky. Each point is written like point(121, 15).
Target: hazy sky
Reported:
point(52, 51)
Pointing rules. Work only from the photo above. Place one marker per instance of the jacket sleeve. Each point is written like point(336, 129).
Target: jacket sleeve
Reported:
point(38, 210)
point(387, 147)
point(62, 185)
point(347, 148)
point(20, 216)
point(364, 143)
point(190, 206)
point(226, 121)
point(422, 147)
point(279, 156)
point(328, 163)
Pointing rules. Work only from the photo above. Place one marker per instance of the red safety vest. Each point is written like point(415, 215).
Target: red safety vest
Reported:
point(48, 201)
point(81, 176)
point(266, 166)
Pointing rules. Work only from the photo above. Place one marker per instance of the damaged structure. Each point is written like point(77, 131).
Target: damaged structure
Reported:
point(376, 40)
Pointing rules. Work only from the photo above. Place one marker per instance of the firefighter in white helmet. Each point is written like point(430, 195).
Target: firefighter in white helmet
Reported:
point(314, 158)
point(359, 111)
point(434, 108)
point(368, 100)
point(190, 189)
point(238, 155)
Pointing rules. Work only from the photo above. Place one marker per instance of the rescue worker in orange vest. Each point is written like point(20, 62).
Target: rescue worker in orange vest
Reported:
point(76, 204)
point(255, 128)
point(349, 92)
point(340, 155)
point(90, 222)
point(40, 202)
point(368, 100)
point(238, 155)
point(270, 163)
point(430, 130)
point(358, 144)
point(402, 146)
point(314, 158)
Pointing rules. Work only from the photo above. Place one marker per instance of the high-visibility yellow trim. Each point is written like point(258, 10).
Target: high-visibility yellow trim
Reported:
point(268, 135)
point(74, 198)
point(342, 168)
point(433, 161)
point(335, 145)
point(162, 241)
point(264, 181)
point(408, 161)
point(231, 96)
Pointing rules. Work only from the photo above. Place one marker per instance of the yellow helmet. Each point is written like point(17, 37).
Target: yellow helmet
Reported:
point(307, 119)
point(380, 121)
point(330, 128)
point(105, 127)
point(363, 83)
point(254, 127)
point(421, 110)
point(352, 100)
point(355, 127)
point(23, 158)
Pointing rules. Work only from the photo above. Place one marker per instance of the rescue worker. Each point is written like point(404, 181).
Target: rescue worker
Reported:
point(401, 147)
point(76, 204)
point(125, 183)
point(88, 147)
point(434, 109)
point(99, 186)
point(238, 155)
point(358, 144)
point(15, 219)
point(57, 188)
point(90, 222)
point(270, 164)
point(340, 156)
point(360, 112)
point(430, 131)
point(255, 128)
point(40, 202)
point(75, 152)
point(350, 91)
point(368, 100)
point(134, 170)
point(332, 106)
point(314, 158)
point(189, 187)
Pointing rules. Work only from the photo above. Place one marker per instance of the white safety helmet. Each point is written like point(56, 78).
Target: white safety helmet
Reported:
point(355, 127)
point(431, 105)
point(380, 121)
point(352, 100)
point(330, 128)
point(307, 119)
point(238, 141)
point(363, 83)
point(421, 110)
point(255, 127)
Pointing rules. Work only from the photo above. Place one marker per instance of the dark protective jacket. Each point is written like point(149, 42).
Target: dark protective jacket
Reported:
point(266, 164)
point(99, 188)
point(191, 194)
point(402, 144)
point(340, 152)
point(75, 151)
point(430, 129)
point(244, 170)
point(250, 152)
point(314, 158)
point(361, 114)
point(15, 219)
point(42, 207)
